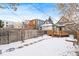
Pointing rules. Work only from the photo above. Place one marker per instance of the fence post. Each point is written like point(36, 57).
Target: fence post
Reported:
point(0, 36)
point(22, 36)
point(8, 36)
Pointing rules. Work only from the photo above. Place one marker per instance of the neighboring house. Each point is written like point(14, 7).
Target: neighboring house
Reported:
point(48, 21)
point(12, 24)
point(31, 24)
point(69, 25)
point(48, 24)
point(8, 24)
point(25, 23)
point(61, 28)
point(62, 23)
point(47, 27)
point(39, 24)
point(35, 24)
point(17, 25)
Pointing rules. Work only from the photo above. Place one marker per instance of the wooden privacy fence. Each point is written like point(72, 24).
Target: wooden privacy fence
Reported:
point(13, 35)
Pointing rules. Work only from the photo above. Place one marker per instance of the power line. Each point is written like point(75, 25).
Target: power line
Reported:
point(41, 10)
point(13, 12)
point(34, 7)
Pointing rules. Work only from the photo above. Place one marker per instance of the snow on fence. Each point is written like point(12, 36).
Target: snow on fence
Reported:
point(13, 35)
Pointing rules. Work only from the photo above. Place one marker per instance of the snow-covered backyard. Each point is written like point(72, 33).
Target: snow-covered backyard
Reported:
point(41, 46)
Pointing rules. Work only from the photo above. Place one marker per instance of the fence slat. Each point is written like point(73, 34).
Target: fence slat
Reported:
point(14, 35)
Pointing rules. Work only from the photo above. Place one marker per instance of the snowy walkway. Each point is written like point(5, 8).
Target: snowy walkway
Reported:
point(40, 46)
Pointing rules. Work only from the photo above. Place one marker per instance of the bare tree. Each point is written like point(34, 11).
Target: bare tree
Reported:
point(70, 11)
point(9, 6)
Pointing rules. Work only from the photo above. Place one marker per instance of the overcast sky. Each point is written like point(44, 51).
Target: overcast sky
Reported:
point(28, 11)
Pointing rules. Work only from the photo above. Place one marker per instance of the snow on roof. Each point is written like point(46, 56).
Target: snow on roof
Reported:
point(47, 25)
point(60, 25)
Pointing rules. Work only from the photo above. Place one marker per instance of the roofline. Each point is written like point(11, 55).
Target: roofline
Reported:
point(60, 19)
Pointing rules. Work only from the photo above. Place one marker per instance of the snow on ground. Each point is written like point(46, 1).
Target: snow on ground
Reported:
point(40, 46)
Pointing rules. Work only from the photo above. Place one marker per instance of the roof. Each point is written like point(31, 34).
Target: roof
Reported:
point(48, 21)
point(63, 21)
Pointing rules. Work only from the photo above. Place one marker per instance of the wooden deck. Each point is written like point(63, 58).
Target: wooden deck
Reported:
point(55, 33)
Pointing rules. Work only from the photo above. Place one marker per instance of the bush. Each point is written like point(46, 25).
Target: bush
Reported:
point(1, 24)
